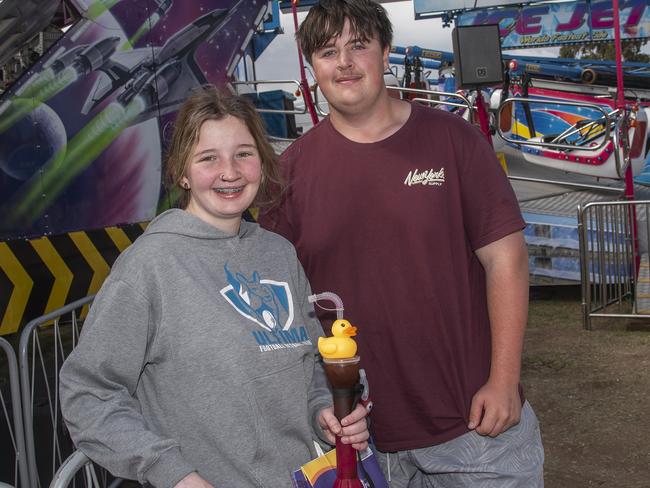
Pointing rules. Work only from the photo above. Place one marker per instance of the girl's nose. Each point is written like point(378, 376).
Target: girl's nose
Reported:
point(229, 170)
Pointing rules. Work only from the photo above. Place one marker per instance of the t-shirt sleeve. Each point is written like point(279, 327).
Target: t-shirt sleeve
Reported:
point(277, 216)
point(490, 208)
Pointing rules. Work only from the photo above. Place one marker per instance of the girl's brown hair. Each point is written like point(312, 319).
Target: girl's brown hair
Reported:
point(209, 103)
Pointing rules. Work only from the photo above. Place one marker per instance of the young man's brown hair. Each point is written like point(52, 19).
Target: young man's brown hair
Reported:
point(326, 20)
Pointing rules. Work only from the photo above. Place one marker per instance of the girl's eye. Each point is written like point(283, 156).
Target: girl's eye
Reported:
point(244, 154)
point(208, 158)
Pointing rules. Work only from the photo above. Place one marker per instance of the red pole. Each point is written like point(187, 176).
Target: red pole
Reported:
point(620, 104)
point(620, 99)
point(620, 95)
point(483, 118)
point(303, 78)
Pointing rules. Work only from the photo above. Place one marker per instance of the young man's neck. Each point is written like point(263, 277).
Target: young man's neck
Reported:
point(385, 118)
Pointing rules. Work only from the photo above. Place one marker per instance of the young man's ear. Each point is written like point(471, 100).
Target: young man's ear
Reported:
point(385, 56)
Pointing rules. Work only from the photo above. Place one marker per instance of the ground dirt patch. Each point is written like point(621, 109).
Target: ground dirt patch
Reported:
point(590, 390)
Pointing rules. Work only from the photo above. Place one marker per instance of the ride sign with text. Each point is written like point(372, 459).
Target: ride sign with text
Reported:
point(563, 23)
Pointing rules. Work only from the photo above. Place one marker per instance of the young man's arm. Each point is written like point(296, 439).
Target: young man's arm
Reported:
point(497, 405)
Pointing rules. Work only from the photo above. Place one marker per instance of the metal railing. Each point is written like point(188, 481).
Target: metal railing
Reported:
point(68, 471)
point(608, 258)
point(605, 121)
point(620, 139)
point(317, 103)
point(51, 337)
point(15, 423)
point(570, 184)
point(464, 103)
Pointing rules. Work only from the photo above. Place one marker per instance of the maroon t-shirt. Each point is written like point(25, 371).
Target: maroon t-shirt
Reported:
point(392, 227)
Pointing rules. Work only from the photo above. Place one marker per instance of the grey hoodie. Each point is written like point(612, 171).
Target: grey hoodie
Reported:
point(198, 355)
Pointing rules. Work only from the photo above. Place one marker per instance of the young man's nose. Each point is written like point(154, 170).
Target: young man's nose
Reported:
point(344, 61)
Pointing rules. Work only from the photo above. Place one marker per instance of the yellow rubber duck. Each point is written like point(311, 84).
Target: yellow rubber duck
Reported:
point(340, 345)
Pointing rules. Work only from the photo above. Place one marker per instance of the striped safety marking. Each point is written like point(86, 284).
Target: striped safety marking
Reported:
point(58, 268)
point(17, 292)
point(40, 275)
point(93, 258)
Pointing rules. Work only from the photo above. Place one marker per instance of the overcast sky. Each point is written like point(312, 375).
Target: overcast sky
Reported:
point(280, 60)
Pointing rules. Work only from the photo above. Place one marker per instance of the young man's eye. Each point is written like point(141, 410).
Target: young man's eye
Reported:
point(327, 53)
point(359, 45)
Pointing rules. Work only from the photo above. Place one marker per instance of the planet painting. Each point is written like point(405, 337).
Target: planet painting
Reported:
point(32, 141)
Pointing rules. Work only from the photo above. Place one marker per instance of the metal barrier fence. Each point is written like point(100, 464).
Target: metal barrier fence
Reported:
point(73, 466)
point(45, 342)
point(613, 271)
point(14, 422)
point(432, 97)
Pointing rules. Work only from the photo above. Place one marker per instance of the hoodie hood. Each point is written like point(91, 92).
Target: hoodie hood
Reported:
point(180, 222)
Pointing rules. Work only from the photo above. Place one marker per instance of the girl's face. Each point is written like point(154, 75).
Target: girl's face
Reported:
point(224, 173)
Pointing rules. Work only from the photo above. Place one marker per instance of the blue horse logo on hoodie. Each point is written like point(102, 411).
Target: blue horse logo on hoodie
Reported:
point(265, 302)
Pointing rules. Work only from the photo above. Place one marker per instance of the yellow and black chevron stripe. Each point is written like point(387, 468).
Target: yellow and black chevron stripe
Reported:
point(40, 275)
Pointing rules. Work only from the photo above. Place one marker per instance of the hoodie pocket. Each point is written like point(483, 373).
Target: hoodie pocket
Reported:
point(278, 400)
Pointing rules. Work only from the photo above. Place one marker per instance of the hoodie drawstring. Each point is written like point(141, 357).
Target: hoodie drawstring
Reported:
point(388, 464)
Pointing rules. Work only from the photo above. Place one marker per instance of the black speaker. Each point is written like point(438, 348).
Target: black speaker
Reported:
point(477, 55)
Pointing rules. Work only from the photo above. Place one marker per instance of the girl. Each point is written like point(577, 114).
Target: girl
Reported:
point(197, 363)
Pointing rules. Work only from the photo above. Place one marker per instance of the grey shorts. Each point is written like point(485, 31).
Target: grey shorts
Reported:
point(513, 459)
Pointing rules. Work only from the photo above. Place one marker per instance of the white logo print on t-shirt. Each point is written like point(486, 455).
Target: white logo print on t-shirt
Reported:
point(426, 177)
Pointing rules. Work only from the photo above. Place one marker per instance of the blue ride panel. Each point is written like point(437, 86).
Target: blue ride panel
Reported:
point(276, 124)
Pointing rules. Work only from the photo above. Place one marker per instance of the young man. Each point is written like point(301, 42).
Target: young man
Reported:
point(404, 211)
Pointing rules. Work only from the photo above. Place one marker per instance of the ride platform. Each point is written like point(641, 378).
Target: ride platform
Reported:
point(549, 200)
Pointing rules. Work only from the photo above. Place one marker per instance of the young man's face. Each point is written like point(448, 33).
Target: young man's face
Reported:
point(350, 72)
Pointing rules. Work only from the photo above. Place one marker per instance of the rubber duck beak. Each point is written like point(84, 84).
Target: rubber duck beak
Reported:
point(351, 331)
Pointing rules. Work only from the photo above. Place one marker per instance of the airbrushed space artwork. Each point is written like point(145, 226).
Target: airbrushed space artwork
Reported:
point(82, 134)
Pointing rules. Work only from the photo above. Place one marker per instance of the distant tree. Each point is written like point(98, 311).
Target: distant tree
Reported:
point(606, 51)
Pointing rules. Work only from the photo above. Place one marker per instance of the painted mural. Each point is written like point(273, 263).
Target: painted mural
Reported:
point(82, 133)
